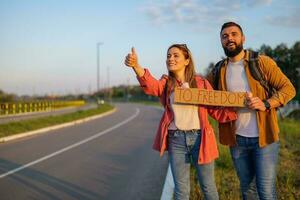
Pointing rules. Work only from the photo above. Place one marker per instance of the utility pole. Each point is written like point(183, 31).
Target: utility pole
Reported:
point(127, 86)
point(98, 65)
point(108, 76)
point(108, 85)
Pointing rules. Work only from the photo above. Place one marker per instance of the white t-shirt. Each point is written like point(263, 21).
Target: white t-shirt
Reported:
point(186, 116)
point(236, 81)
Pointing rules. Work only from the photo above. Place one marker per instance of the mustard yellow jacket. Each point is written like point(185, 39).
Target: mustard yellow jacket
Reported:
point(266, 120)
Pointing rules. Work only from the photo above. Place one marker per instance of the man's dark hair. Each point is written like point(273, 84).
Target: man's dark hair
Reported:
point(228, 24)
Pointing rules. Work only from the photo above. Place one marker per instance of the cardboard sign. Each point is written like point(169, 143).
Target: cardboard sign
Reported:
point(209, 97)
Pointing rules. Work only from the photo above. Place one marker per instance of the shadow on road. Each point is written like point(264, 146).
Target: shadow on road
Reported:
point(43, 184)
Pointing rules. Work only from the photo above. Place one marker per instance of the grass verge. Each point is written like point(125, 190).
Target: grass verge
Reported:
point(12, 128)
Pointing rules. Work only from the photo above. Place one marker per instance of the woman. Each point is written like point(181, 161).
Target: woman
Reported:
point(184, 130)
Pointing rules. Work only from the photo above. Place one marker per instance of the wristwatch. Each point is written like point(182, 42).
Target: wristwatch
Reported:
point(267, 105)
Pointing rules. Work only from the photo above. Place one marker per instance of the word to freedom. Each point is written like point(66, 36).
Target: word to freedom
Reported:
point(209, 97)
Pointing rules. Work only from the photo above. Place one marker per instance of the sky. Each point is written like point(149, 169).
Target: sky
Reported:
point(50, 46)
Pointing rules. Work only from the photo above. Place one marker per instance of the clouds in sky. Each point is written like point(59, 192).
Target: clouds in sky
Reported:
point(215, 12)
point(257, 2)
point(186, 11)
point(291, 19)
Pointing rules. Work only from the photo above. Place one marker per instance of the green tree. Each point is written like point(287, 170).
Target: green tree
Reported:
point(266, 50)
point(4, 97)
point(288, 59)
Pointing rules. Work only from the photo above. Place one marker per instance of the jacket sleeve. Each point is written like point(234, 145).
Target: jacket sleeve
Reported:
point(278, 80)
point(152, 86)
point(221, 114)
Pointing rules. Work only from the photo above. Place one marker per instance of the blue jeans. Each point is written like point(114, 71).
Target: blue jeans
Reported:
point(183, 149)
point(256, 167)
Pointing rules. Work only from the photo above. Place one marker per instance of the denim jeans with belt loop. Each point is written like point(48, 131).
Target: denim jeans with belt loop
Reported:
point(255, 167)
point(183, 150)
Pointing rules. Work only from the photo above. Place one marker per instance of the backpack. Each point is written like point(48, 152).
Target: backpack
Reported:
point(255, 72)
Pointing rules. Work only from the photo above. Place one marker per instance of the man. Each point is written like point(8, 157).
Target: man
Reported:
point(253, 137)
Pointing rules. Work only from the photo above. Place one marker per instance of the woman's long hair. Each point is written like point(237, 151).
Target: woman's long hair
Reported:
point(189, 70)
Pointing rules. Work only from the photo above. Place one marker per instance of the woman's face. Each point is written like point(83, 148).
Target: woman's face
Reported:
point(176, 62)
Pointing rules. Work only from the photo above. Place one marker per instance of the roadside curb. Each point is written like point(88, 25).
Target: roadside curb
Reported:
point(42, 130)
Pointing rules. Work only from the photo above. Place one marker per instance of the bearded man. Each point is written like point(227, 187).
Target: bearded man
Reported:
point(254, 137)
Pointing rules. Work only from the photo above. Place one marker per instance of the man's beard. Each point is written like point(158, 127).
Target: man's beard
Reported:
point(234, 52)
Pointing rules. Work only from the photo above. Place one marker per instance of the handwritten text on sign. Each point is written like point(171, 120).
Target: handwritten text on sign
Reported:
point(209, 97)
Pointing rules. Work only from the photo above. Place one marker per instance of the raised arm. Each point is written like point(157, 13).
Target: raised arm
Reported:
point(149, 84)
point(131, 60)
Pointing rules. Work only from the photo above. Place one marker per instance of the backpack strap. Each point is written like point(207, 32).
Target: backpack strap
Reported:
point(254, 66)
point(216, 73)
point(257, 73)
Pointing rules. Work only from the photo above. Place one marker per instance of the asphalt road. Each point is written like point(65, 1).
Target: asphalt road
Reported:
point(107, 158)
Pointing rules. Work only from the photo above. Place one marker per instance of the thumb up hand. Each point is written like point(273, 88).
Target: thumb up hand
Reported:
point(131, 59)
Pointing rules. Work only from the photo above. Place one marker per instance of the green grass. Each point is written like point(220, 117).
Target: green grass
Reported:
point(288, 179)
point(288, 176)
point(12, 128)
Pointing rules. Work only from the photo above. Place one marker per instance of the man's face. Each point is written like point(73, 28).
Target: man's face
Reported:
point(232, 41)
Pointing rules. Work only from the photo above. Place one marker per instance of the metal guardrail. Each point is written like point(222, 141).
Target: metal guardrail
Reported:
point(38, 106)
point(288, 108)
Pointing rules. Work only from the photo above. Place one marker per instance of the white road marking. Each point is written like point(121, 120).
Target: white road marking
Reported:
point(72, 146)
point(168, 189)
